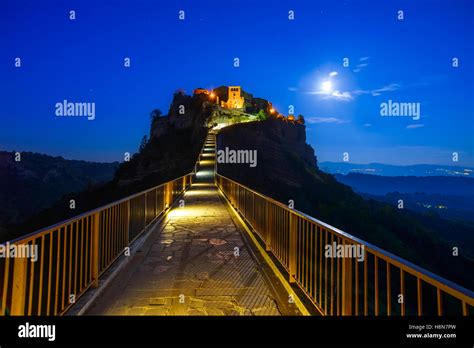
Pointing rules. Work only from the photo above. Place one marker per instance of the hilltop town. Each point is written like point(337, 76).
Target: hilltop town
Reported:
point(241, 106)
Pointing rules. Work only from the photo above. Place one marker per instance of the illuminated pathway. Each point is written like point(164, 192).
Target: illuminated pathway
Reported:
point(200, 264)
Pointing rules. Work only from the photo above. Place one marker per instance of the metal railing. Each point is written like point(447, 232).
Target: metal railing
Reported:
point(380, 284)
point(72, 255)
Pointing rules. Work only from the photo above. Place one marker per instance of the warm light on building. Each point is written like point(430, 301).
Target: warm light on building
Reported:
point(235, 98)
point(272, 110)
point(198, 91)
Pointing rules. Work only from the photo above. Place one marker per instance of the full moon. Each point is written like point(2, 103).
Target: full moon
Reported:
point(326, 86)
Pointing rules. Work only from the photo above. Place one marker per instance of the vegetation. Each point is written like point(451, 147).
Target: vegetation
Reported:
point(154, 115)
point(262, 115)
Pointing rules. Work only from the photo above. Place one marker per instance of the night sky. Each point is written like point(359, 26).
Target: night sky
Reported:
point(284, 61)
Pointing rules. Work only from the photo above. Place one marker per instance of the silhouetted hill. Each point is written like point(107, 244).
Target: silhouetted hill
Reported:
point(394, 170)
point(285, 172)
point(381, 185)
point(449, 197)
point(38, 180)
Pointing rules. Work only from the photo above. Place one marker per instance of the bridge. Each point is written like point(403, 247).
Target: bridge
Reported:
point(204, 244)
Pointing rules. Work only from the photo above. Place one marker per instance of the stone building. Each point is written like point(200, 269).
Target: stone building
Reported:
point(231, 97)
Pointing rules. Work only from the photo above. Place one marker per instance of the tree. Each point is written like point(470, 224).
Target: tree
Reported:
point(143, 143)
point(262, 115)
point(155, 114)
point(300, 119)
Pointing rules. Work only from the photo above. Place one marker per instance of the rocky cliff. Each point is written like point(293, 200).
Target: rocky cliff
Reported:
point(277, 143)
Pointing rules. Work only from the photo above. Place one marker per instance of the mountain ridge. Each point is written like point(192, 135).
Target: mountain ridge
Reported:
point(397, 170)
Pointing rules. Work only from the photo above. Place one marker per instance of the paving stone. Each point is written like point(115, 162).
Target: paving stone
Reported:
point(214, 311)
point(202, 275)
point(157, 311)
point(216, 241)
point(195, 312)
point(160, 301)
point(197, 303)
point(137, 311)
point(117, 311)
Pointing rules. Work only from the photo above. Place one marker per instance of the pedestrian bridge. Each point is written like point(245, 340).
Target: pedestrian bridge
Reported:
point(203, 244)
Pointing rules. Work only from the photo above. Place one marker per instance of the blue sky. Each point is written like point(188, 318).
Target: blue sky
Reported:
point(284, 61)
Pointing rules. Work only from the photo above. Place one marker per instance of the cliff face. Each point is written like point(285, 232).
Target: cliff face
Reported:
point(175, 141)
point(277, 143)
point(286, 170)
point(185, 113)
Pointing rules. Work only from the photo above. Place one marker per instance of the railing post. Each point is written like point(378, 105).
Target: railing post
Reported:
point(347, 285)
point(95, 251)
point(292, 251)
point(269, 226)
point(19, 286)
point(144, 208)
point(168, 199)
point(127, 214)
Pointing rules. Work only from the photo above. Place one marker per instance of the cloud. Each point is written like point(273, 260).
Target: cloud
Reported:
point(333, 73)
point(293, 89)
point(346, 96)
point(378, 91)
point(389, 88)
point(325, 120)
point(337, 95)
point(367, 125)
point(349, 95)
point(414, 126)
point(362, 64)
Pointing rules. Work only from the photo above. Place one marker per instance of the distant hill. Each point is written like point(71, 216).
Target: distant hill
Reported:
point(447, 206)
point(393, 170)
point(381, 185)
point(449, 197)
point(38, 180)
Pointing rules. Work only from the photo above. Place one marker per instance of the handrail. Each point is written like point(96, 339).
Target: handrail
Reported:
point(296, 240)
point(74, 253)
point(89, 212)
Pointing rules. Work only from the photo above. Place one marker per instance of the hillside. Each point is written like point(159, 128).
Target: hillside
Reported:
point(38, 180)
point(381, 185)
point(394, 170)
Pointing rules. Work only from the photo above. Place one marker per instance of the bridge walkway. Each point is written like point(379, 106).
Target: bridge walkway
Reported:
point(197, 262)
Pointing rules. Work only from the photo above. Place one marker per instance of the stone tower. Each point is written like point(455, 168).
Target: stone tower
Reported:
point(235, 99)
